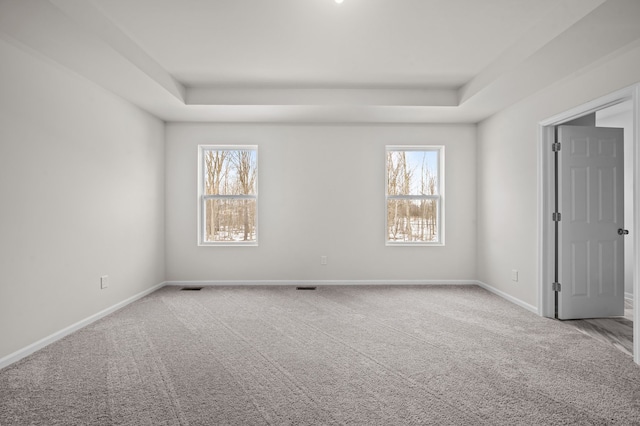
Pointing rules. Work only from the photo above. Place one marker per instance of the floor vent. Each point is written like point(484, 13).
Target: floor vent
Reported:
point(305, 288)
point(191, 289)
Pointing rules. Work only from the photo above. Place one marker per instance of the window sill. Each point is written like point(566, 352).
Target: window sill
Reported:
point(410, 244)
point(229, 244)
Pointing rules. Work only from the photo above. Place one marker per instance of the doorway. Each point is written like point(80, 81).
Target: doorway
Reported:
point(618, 110)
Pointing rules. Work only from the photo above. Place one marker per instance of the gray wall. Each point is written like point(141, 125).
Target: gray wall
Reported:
point(82, 195)
point(321, 192)
point(508, 167)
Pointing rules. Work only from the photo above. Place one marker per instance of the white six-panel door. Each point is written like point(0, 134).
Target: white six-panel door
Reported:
point(591, 201)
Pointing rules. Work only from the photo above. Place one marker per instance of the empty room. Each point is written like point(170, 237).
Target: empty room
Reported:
point(319, 212)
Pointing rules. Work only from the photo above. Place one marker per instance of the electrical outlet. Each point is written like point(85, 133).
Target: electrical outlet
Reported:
point(323, 260)
point(514, 275)
point(104, 282)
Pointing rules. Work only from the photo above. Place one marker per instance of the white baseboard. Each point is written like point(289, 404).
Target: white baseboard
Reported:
point(487, 287)
point(26, 351)
point(319, 282)
point(628, 296)
point(18, 355)
point(508, 297)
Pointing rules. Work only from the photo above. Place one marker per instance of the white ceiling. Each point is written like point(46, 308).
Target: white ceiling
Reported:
point(415, 43)
point(318, 61)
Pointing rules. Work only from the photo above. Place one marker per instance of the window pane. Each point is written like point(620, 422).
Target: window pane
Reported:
point(412, 221)
point(412, 172)
point(229, 220)
point(230, 172)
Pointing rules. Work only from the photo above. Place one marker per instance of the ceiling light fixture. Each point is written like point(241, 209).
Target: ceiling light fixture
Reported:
point(339, 1)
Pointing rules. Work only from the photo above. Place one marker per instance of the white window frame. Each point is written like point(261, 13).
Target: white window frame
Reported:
point(440, 197)
point(202, 197)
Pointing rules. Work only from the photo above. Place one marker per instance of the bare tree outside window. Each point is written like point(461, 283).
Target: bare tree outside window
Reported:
point(229, 196)
point(414, 195)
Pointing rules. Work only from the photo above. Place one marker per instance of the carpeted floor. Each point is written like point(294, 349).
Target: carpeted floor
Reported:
point(442, 355)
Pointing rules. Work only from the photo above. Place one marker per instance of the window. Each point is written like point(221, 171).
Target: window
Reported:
point(415, 195)
point(228, 195)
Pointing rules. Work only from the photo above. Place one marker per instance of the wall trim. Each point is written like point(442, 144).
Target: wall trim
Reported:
point(545, 195)
point(319, 282)
point(481, 284)
point(28, 350)
point(508, 297)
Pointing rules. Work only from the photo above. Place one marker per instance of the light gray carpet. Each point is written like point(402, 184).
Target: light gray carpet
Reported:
point(438, 355)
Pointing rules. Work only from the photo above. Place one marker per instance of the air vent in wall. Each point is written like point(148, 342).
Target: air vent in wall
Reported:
point(191, 289)
point(305, 288)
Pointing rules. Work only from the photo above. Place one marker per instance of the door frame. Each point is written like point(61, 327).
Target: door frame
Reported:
point(546, 195)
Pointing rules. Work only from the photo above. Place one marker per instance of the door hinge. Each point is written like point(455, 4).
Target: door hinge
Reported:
point(555, 147)
point(556, 287)
point(556, 216)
